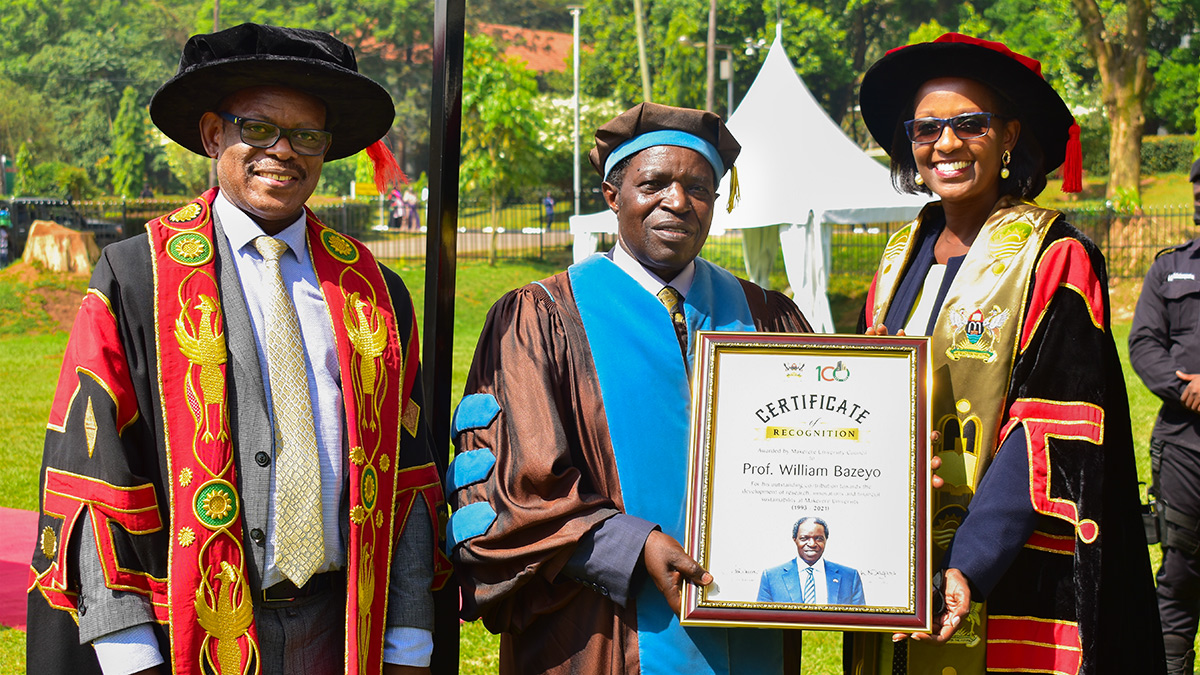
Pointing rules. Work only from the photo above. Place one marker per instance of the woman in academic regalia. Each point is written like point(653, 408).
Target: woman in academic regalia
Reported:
point(1036, 532)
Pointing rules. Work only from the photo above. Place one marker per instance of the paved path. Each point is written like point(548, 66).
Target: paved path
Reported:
point(16, 548)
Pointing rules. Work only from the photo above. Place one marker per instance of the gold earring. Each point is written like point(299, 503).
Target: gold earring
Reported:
point(1005, 159)
point(918, 180)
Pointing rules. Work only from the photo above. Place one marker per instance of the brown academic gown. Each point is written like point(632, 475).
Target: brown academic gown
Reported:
point(554, 480)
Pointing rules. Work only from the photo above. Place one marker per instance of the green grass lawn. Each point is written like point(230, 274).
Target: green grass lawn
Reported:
point(1158, 191)
point(30, 356)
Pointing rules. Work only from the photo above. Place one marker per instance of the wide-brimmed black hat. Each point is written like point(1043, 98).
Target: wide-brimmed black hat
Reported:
point(358, 110)
point(649, 124)
point(890, 87)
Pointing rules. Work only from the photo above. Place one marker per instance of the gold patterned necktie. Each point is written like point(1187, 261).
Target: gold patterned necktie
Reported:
point(673, 301)
point(299, 537)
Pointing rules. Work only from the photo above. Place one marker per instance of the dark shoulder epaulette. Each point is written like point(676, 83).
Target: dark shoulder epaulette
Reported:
point(1172, 249)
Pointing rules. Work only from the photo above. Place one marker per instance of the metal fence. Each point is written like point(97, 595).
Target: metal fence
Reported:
point(523, 231)
point(1129, 241)
point(514, 231)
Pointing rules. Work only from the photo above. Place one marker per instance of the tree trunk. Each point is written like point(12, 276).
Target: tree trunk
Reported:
point(1121, 61)
point(710, 57)
point(643, 64)
point(1125, 146)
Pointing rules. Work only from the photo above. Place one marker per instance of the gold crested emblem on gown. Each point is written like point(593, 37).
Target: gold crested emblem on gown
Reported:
point(49, 542)
point(339, 247)
point(203, 343)
point(216, 504)
point(369, 336)
point(945, 525)
point(975, 334)
point(190, 248)
point(185, 214)
point(968, 631)
point(225, 613)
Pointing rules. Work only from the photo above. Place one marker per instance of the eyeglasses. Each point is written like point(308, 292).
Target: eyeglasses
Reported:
point(260, 134)
point(966, 126)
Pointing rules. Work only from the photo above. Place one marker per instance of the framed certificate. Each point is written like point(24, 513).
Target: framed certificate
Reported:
point(808, 494)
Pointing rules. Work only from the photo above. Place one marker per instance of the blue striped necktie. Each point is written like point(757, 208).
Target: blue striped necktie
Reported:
point(810, 587)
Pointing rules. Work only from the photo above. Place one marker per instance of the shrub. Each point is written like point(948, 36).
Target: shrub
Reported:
point(1166, 154)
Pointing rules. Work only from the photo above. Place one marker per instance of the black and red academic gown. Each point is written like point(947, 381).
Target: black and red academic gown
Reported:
point(139, 436)
point(1040, 508)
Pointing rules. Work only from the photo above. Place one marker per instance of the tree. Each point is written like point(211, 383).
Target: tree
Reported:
point(500, 126)
point(190, 169)
point(1196, 148)
point(79, 69)
point(23, 184)
point(129, 152)
point(558, 128)
point(23, 120)
point(1118, 43)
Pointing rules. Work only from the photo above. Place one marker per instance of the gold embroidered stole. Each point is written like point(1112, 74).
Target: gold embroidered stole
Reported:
point(974, 345)
point(210, 603)
point(976, 333)
point(209, 597)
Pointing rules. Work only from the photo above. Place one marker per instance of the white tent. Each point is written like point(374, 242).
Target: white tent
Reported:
point(796, 170)
point(799, 171)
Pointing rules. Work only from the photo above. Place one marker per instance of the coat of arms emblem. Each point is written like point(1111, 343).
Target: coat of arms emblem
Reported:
point(975, 333)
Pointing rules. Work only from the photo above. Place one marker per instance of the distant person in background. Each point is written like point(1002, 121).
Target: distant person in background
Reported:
point(3, 247)
point(396, 201)
point(1164, 349)
point(412, 220)
point(147, 193)
point(548, 202)
point(809, 578)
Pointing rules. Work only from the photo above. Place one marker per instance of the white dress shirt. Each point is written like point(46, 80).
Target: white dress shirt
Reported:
point(649, 280)
point(320, 361)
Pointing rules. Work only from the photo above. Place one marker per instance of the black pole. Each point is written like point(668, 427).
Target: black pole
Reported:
point(445, 129)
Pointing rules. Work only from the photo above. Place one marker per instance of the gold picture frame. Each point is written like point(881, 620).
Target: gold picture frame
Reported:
point(807, 442)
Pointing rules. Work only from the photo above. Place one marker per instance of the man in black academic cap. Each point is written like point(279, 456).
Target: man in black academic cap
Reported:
point(570, 479)
point(1164, 349)
point(237, 475)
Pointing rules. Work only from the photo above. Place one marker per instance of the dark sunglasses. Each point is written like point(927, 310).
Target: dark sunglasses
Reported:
point(966, 126)
point(260, 134)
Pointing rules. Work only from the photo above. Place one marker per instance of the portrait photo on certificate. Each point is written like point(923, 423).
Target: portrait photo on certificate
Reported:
point(809, 481)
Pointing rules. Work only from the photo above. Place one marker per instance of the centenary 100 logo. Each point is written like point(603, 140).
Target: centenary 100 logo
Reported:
point(838, 373)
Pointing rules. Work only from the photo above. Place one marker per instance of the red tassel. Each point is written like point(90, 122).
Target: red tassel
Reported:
point(1072, 171)
point(387, 169)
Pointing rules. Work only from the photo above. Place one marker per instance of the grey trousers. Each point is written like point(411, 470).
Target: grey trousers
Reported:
point(304, 636)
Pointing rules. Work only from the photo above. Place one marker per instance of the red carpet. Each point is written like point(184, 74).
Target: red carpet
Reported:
point(16, 548)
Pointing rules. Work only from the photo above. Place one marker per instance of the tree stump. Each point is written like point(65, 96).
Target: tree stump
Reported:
point(61, 249)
